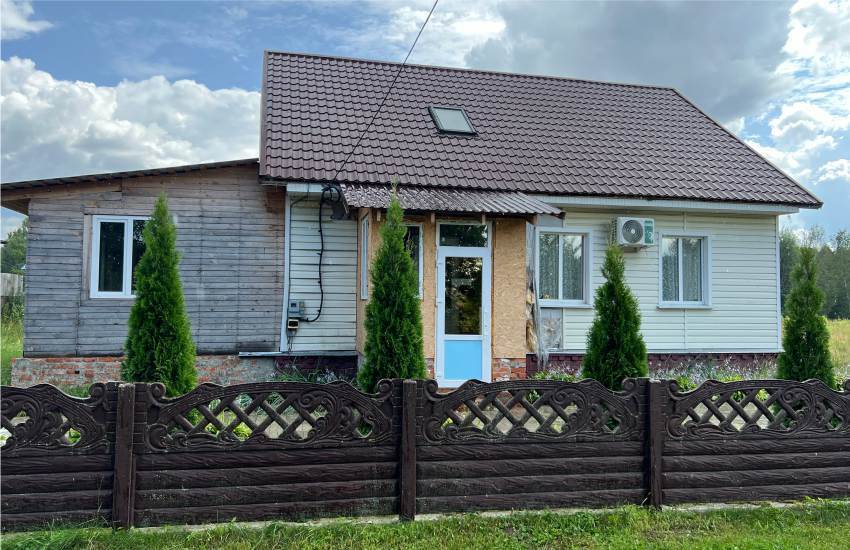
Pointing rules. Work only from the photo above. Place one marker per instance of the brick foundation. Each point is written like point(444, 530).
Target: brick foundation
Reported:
point(741, 362)
point(83, 371)
point(232, 369)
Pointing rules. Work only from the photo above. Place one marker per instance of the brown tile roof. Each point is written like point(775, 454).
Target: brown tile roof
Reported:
point(535, 134)
point(414, 198)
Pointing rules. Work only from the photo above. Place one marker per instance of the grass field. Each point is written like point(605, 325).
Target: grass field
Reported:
point(11, 344)
point(816, 524)
point(839, 345)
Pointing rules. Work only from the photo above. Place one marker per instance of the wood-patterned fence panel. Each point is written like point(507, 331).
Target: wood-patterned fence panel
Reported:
point(530, 444)
point(280, 450)
point(755, 439)
point(276, 450)
point(57, 458)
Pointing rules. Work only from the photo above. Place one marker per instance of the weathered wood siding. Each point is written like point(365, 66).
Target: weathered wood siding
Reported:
point(744, 309)
point(230, 235)
point(336, 329)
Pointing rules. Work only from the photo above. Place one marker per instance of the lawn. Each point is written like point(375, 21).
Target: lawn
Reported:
point(815, 524)
point(839, 344)
point(11, 344)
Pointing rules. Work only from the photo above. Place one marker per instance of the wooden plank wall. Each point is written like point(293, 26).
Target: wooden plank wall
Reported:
point(230, 235)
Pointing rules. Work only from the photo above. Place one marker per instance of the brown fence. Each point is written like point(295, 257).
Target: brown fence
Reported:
point(281, 450)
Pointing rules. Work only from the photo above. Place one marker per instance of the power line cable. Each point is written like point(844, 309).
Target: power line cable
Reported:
point(328, 187)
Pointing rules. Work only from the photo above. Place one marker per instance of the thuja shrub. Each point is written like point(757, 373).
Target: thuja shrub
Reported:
point(615, 346)
point(394, 347)
point(159, 344)
point(805, 338)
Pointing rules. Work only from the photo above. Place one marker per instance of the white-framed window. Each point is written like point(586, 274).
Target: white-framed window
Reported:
point(563, 267)
point(364, 258)
point(413, 241)
point(117, 247)
point(684, 270)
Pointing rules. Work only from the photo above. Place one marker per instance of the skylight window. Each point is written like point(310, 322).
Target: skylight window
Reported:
point(452, 120)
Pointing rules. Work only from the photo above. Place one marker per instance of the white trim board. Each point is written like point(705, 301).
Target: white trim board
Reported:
point(681, 205)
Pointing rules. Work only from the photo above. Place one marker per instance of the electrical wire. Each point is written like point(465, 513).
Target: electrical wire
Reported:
point(329, 187)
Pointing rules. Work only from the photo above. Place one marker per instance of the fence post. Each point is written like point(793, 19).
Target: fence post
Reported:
point(657, 428)
point(407, 468)
point(124, 468)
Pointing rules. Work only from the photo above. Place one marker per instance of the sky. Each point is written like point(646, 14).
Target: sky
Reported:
point(103, 86)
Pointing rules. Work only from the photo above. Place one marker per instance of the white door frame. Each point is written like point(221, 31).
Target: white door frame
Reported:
point(485, 253)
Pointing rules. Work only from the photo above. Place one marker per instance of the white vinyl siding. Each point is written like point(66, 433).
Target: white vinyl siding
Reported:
point(335, 329)
point(742, 283)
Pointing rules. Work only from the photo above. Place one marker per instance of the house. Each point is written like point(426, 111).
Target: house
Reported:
point(512, 185)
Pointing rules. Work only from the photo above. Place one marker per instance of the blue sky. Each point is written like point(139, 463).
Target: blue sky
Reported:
point(99, 86)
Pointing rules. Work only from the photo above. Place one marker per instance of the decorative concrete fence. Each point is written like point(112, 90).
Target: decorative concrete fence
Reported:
point(130, 456)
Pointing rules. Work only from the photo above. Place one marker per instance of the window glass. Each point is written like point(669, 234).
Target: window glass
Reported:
point(451, 120)
point(463, 235)
point(692, 270)
point(412, 241)
point(463, 295)
point(573, 267)
point(138, 247)
point(670, 269)
point(111, 257)
point(562, 269)
point(548, 254)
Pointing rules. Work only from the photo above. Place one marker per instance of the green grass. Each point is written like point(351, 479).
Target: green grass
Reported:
point(839, 346)
point(11, 346)
point(814, 524)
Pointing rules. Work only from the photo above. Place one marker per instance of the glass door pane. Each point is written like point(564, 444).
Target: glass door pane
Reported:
point(463, 295)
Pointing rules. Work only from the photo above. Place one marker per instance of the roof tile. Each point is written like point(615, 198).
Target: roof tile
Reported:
point(535, 134)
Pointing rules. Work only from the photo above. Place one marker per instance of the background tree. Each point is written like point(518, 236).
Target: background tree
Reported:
point(394, 347)
point(159, 345)
point(615, 347)
point(789, 255)
point(832, 259)
point(13, 258)
point(805, 338)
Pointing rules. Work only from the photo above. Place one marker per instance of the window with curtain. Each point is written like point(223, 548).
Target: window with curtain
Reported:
point(117, 247)
point(683, 270)
point(562, 268)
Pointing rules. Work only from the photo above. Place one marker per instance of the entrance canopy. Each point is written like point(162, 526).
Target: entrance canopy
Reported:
point(431, 199)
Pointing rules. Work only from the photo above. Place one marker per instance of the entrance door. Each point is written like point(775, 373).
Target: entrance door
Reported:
point(463, 303)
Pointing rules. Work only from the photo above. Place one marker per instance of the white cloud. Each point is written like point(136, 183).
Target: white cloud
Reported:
point(835, 170)
point(56, 127)
point(15, 20)
point(801, 121)
point(818, 37)
point(796, 162)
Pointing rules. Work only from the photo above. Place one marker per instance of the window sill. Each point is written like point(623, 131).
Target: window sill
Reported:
point(684, 306)
point(550, 304)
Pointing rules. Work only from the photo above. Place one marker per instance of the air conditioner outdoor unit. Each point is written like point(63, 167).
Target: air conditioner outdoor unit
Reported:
point(635, 232)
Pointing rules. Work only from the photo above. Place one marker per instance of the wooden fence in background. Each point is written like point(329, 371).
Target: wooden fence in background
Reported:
point(129, 455)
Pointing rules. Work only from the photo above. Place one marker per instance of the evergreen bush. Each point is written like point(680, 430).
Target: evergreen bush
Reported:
point(394, 347)
point(159, 344)
point(615, 347)
point(805, 339)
